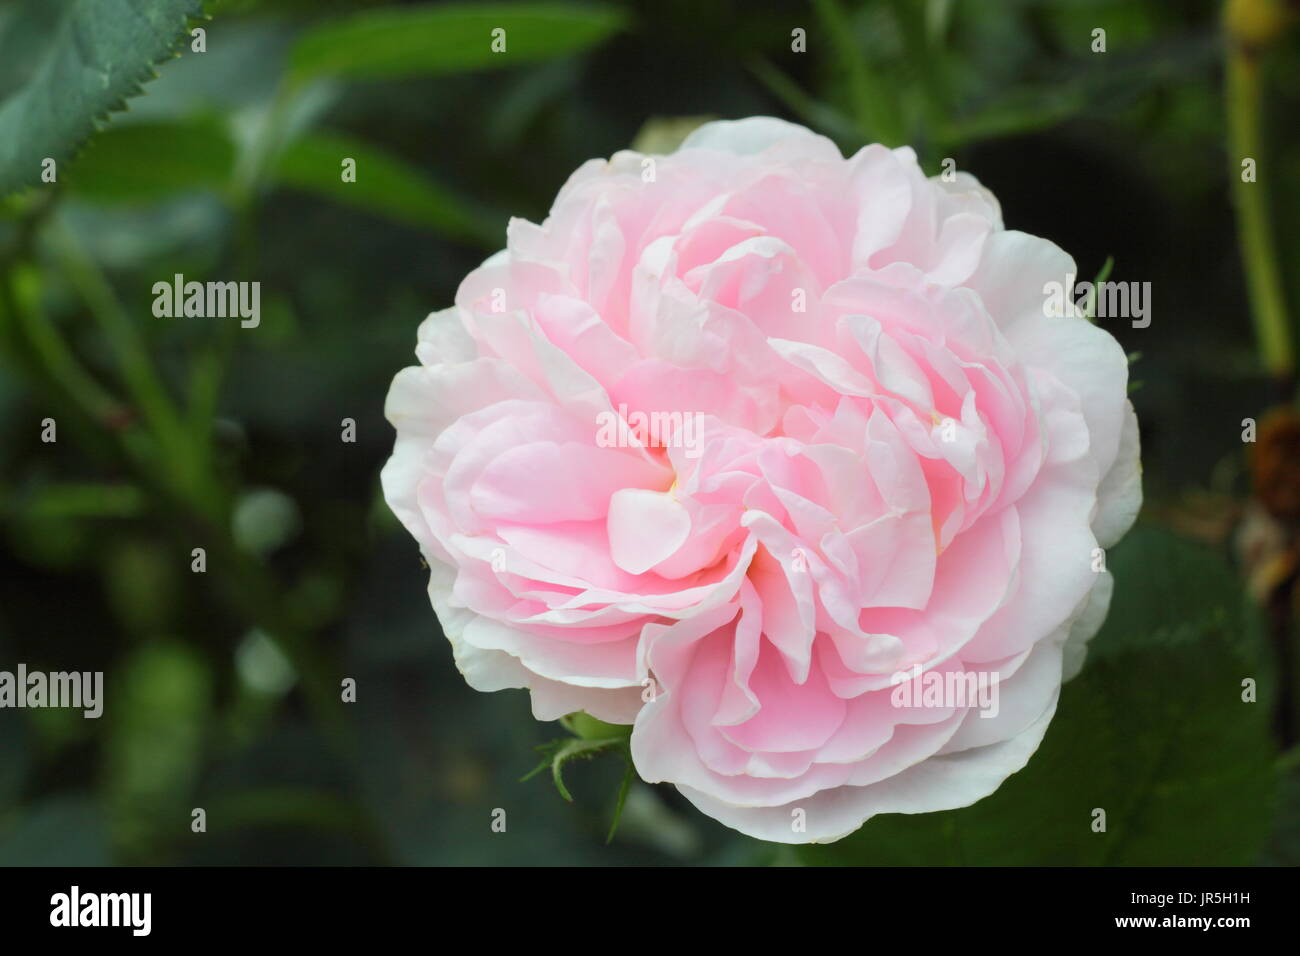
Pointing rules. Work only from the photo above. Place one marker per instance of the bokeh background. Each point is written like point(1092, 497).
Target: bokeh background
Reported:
point(223, 687)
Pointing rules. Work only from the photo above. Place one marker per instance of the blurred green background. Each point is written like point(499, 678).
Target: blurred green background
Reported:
point(223, 686)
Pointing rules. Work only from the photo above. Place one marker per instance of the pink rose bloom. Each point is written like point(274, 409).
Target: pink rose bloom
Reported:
point(779, 457)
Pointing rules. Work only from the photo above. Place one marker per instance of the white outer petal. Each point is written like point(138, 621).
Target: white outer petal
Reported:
point(750, 136)
point(1085, 626)
point(1119, 497)
point(492, 670)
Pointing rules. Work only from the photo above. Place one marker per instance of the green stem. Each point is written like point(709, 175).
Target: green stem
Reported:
point(208, 371)
point(183, 458)
point(132, 356)
point(59, 362)
point(1258, 251)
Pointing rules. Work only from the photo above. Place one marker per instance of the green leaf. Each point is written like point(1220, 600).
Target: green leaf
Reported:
point(1154, 732)
point(624, 787)
point(447, 38)
point(384, 185)
point(147, 161)
point(99, 54)
point(1165, 585)
point(81, 500)
point(1103, 274)
point(20, 25)
point(594, 736)
point(557, 753)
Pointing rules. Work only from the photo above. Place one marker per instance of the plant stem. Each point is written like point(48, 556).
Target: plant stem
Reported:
point(1258, 251)
point(54, 354)
point(183, 458)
